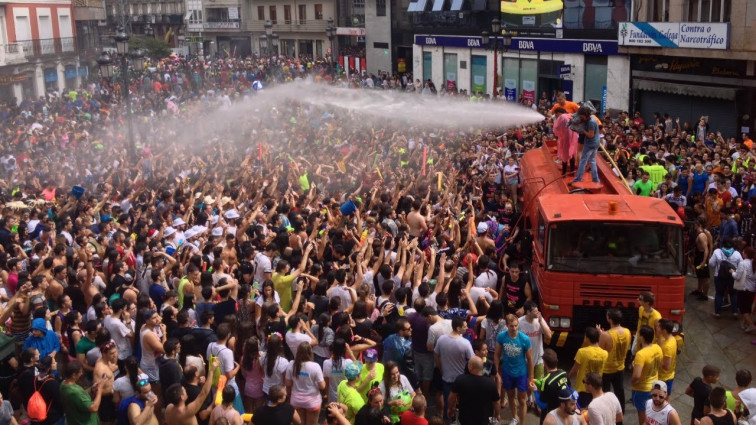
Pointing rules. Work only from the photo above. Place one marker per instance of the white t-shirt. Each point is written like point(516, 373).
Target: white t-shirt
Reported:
point(486, 280)
point(748, 397)
point(343, 293)
point(476, 292)
point(334, 376)
point(276, 298)
point(224, 354)
point(123, 387)
point(404, 385)
point(603, 410)
point(119, 332)
point(304, 388)
point(279, 371)
point(262, 266)
point(535, 333)
point(437, 329)
point(293, 339)
point(430, 300)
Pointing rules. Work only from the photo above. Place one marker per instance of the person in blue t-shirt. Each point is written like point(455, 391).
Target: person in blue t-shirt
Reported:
point(514, 358)
point(591, 146)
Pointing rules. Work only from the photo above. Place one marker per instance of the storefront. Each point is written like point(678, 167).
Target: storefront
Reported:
point(683, 69)
point(689, 88)
point(584, 69)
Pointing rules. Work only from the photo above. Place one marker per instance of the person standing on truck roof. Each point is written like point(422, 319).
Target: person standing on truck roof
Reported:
point(591, 133)
point(645, 370)
point(704, 249)
point(567, 140)
point(563, 103)
point(589, 359)
point(616, 341)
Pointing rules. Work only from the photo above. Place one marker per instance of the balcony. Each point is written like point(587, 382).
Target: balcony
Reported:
point(312, 25)
point(43, 48)
point(221, 25)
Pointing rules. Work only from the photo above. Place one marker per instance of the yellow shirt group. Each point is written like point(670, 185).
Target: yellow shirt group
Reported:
point(647, 318)
point(669, 349)
point(591, 359)
point(649, 359)
point(620, 344)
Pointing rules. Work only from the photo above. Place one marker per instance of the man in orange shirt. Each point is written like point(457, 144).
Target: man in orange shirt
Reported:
point(562, 102)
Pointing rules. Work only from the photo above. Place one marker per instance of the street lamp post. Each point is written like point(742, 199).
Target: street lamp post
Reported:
point(107, 70)
point(494, 42)
point(331, 34)
point(269, 37)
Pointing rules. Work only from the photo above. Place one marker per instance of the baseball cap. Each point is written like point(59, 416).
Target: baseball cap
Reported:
point(659, 385)
point(371, 354)
point(482, 227)
point(566, 394)
point(352, 371)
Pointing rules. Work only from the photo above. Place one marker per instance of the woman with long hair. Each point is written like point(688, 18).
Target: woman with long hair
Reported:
point(251, 369)
point(324, 334)
point(305, 380)
point(396, 387)
point(190, 354)
point(492, 325)
point(333, 368)
point(274, 363)
point(125, 386)
point(226, 410)
point(243, 333)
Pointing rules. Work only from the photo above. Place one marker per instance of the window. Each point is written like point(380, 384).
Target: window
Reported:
point(708, 10)
point(658, 10)
point(260, 13)
point(359, 7)
point(380, 8)
point(287, 14)
point(302, 14)
point(319, 11)
point(273, 18)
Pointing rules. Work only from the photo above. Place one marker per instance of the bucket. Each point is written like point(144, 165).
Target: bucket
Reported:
point(348, 208)
point(170, 250)
point(77, 191)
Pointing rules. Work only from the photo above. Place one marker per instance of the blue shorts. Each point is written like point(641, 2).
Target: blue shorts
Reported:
point(640, 398)
point(669, 386)
point(514, 382)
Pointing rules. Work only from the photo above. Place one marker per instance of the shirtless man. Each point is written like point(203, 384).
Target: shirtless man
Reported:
point(416, 221)
point(704, 249)
point(104, 370)
point(229, 251)
point(483, 239)
point(180, 412)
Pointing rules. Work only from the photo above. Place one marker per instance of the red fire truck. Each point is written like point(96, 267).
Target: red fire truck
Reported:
point(597, 246)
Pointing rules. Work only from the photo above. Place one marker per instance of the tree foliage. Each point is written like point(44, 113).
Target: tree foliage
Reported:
point(153, 48)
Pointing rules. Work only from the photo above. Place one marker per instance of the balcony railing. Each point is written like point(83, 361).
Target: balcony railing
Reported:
point(222, 25)
point(43, 47)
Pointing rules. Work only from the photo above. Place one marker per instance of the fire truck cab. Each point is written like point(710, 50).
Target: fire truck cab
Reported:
point(597, 247)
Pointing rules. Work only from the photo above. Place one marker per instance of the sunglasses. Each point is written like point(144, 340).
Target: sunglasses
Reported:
point(143, 382)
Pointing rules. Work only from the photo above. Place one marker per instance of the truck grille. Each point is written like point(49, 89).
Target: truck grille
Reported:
point(584, 316)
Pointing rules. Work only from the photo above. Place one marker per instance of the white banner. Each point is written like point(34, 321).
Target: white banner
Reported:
point(692, 35)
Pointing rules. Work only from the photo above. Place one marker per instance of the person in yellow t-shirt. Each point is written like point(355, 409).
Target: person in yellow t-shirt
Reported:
point(589, 359)
point(647, 315)
point(283, 282)
point(668, 344)
point(616, 341)
point(645, 370)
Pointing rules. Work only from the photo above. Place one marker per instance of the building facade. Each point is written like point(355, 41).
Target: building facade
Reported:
point(162, 19)
point(568, 46)
point(693, 59)
point(39, 50)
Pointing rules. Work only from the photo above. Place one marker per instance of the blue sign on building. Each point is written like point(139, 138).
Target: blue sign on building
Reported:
point(588, 47)
point(51, 75)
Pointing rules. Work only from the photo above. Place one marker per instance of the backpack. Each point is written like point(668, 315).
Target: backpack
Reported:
point(37, 407)
point(407, 368)
point(724, 275)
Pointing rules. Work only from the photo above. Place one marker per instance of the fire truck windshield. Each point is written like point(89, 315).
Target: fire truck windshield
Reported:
point(615, 248)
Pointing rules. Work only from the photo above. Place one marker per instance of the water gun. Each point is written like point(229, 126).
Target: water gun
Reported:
point(363, 237)
point(219, 392)
point(246, 418)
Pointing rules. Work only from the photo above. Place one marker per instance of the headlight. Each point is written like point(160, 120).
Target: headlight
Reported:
point(553, 322)
point(564, 322)
point(675, 327)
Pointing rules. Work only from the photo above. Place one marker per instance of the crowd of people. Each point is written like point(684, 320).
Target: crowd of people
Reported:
point(295, 262)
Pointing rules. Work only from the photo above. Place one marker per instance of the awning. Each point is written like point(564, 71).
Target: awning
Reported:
point(438, 5)
point(457, 5)
point(478, 5)
point(417, 6)
point(725, 93)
